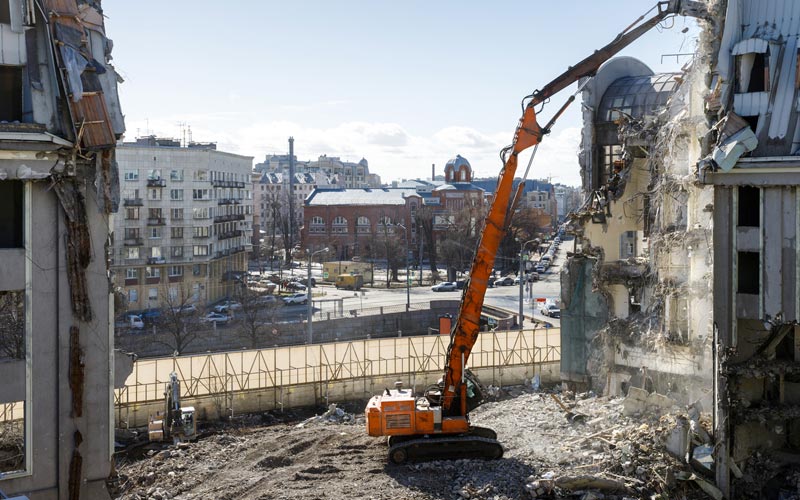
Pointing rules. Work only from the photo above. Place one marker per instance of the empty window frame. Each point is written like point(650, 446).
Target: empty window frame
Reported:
point(11, 214)
point(5, 11)
point(749, 275)
point(749, 206)
point(752, 72)
point(13, 354)
point(10, 92)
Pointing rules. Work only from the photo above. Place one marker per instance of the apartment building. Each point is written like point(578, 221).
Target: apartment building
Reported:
point(60, 119)
point(185, 226)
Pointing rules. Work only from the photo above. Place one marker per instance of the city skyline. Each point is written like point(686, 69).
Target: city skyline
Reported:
point(345, 79)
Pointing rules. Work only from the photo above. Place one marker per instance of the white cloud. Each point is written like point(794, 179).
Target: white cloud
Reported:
point(392, 151)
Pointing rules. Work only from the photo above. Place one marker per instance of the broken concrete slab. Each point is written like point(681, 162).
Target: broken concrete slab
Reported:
point(635, 402)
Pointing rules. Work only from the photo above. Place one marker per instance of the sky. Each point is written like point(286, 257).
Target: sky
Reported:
point(403, 84)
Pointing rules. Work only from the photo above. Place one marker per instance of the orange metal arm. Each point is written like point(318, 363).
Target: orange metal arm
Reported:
point(528, 133)
point(467, 327)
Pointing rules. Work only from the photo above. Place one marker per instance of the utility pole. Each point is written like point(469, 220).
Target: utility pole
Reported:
point(308, 294)
point(291, 195)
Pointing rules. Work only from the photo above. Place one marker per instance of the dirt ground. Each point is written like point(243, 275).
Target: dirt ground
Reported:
point(275, 456)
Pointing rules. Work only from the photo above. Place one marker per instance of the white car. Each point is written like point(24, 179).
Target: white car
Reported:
point(447, 286)
point(227, 306)
point(295, 298)
point(551, 311)
point(134, 321)
point(214, 317)
point(185, 309)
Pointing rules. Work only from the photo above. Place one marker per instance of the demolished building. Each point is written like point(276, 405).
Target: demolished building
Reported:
point(685, 279)
point(60, 119)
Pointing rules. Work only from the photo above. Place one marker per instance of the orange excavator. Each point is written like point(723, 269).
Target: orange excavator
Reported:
point(437, 425)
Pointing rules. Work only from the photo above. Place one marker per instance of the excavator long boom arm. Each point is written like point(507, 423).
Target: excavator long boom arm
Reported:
point(528, 133)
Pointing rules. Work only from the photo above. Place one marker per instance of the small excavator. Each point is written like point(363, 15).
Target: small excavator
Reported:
point(177, 422)
point(436, 425)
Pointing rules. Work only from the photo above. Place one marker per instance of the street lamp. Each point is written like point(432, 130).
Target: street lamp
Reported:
point(408, 293)
point(521, 282)
point(308, 294)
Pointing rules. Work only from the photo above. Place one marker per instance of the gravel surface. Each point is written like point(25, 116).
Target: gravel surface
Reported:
point(323, 458)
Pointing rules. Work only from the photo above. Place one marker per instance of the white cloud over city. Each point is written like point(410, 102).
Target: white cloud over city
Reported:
point(393, 151)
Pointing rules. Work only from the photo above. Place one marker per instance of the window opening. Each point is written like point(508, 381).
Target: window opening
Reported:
point(11, 214)
point(749, 275)
point(749, 206)
point(10, 92)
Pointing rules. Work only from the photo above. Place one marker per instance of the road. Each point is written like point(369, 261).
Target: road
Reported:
point(505, 297)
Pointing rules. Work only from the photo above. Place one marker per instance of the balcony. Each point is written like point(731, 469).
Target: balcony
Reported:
point(228, 218)
point(156, 183)
point(224, 201)
point(133, 242)
point(156, 221)
point(156, 260)
point(238, 184)
point(133, 202)
point(230, 234)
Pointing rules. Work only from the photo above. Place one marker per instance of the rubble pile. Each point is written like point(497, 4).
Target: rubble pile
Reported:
point(557, 445)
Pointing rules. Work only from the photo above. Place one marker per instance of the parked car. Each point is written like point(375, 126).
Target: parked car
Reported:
point(505, 281)
point(266, 299)
point(295, 298)
point(550, 310)
point(214, 317)
point(490, 282)
point(227, 306)
point(304, 281)
point(533, 277)
point(447, 286)
point(461, 284)
point(539, 268)
point(185, 309)
point(295, 285)
point(134, 322)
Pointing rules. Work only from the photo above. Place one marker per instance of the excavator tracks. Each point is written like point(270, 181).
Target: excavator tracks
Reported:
point(444, 448)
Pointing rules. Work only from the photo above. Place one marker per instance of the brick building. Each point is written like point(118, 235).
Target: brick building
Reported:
point(349, 220)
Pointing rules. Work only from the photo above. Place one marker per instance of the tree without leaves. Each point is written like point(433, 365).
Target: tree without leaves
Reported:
point(425, 219)
point(257, 317)
point(12, 325)
point(180, 325)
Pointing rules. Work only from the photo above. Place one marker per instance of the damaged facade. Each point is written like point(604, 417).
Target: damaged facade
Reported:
point(685, 279)
point(59, 121)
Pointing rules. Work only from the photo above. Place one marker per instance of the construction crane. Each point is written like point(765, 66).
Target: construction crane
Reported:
point(437, 425)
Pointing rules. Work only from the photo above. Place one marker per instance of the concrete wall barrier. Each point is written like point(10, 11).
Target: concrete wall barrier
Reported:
point(221, 384)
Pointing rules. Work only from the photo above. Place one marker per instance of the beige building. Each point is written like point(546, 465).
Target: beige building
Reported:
point(185, 225)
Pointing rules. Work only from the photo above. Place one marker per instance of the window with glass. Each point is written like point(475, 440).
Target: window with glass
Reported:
point(176, 213)
point(131, 273)
point(176, 270)
point(132, 253)
point(131, 174)
point(176, 252)
point(176, 175)
point(200, 250)
point(176, 232)
point(131, 214)
point(201, 175)
point(200, 231)
point(152, 272)
point(176, 194)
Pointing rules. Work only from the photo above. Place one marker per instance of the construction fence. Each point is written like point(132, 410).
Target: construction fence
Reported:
point(221, 384)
